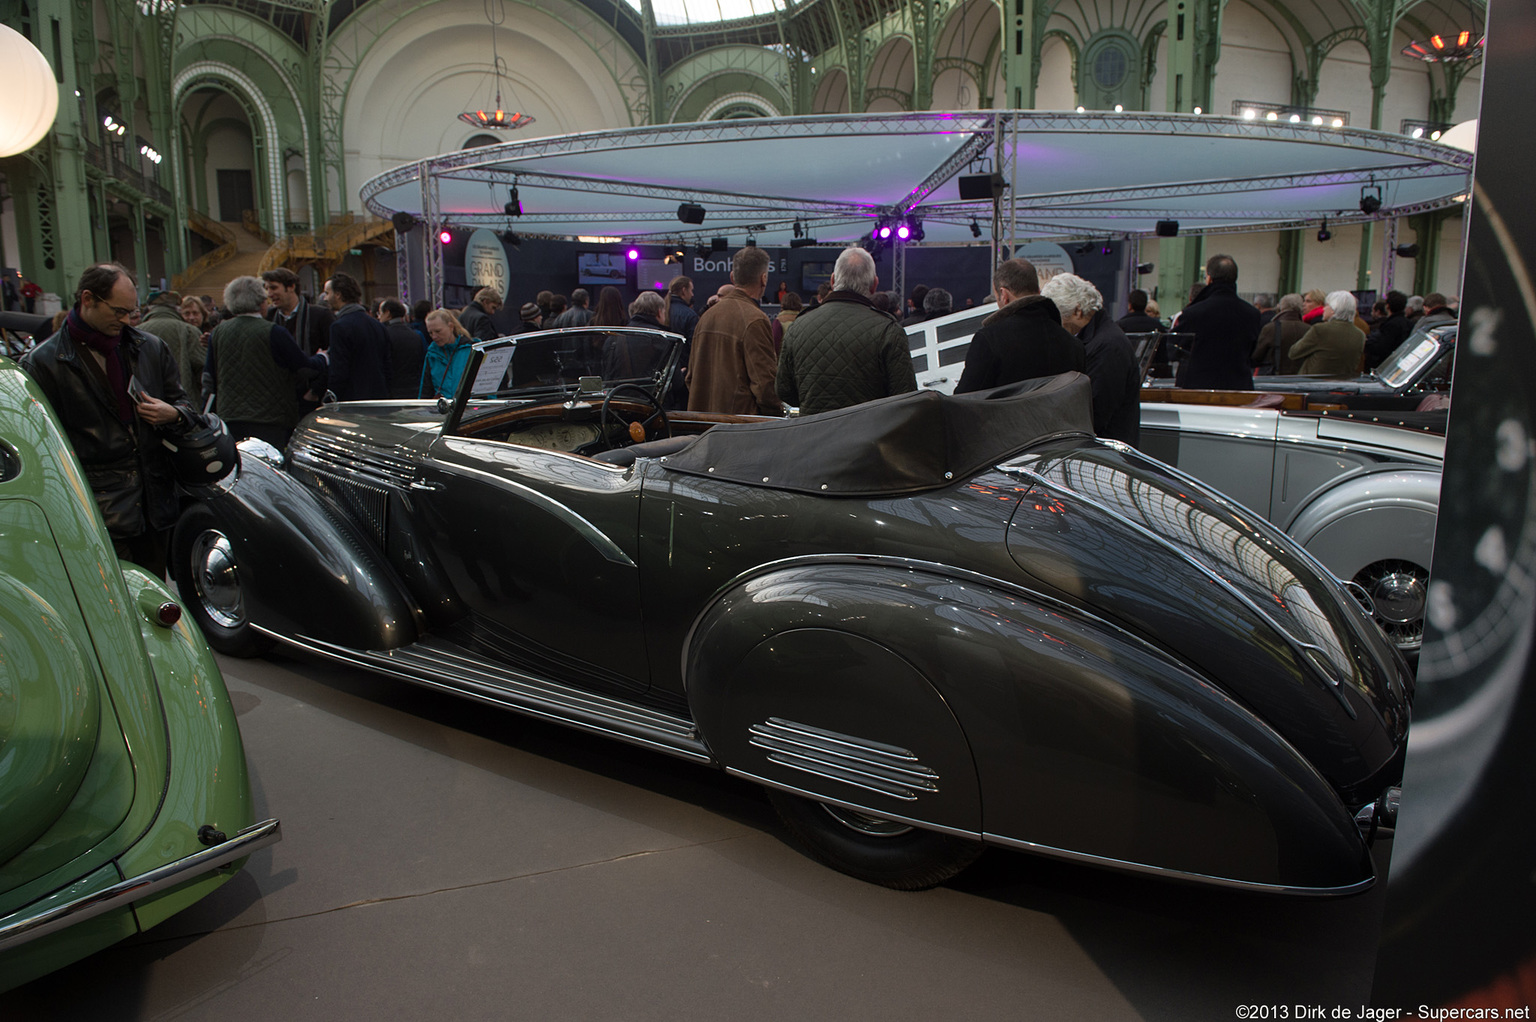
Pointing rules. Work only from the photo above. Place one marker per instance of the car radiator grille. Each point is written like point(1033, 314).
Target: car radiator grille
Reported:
point(874, 766)
point(354, 475)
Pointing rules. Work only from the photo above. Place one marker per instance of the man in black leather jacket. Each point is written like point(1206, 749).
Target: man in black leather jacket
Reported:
point(114, 388)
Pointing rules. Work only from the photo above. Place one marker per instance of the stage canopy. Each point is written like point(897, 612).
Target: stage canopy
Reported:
point(835, 177)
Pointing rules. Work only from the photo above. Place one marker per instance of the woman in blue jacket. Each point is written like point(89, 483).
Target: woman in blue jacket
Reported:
point(448, 355)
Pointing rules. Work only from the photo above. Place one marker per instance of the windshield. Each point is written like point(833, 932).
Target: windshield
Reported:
point(1414, 356)
point(557, 362)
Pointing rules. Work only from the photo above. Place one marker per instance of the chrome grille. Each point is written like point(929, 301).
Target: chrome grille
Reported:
point(352, 458)
point(874, 766)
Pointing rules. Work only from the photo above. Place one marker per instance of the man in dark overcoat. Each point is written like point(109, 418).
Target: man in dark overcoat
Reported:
point(1023, 339)
point(1225, 329)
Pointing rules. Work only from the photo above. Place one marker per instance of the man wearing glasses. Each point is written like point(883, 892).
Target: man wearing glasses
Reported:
point(113, 386)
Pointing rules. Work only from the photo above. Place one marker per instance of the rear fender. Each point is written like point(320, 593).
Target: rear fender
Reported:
point(305, 569)
point(1365, 519)
point(1046, 728)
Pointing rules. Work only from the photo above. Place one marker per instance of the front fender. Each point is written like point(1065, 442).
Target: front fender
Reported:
point(1045, 727)
point(1376, 517)
point(305, 569)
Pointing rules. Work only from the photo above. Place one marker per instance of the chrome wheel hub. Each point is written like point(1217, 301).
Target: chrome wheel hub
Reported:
point(1398, 591)
point(216, 580)
point(864, 823)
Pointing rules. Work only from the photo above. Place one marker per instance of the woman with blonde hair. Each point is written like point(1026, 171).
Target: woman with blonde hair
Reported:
point(448, 355)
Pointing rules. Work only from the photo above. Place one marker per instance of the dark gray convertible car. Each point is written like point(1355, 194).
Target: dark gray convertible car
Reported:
point(924, 624)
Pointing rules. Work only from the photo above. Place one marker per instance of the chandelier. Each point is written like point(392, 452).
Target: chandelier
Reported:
point(1446, 49)
point(499, 118)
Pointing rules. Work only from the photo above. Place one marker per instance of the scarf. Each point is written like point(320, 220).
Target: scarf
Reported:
point(117, 374)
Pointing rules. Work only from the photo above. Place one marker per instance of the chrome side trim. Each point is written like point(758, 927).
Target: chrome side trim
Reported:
point(873, 766)
point(438, 664)
point(126, 892)
point(1176, 874)
point(1061, 853)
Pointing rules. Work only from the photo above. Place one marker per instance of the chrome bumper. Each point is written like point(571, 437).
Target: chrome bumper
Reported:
point(256, 836)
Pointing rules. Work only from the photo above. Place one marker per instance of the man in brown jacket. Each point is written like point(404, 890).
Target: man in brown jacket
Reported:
point(732, 366)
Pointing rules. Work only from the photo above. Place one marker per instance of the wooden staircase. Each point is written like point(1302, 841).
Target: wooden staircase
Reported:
point(239, 255)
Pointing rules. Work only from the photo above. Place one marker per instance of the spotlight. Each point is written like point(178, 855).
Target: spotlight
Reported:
point(445, 236)
point(883, 232)
point(915, 228)
point(1370, 198)
point(633, 254)
point(1144, 268)
point(1085, 248)
point(903, 232)
point(1167, 228)
point(511, 239)
point(1108, 249)
point(1409, 251)
point(403, 221)
point(1323, 233)
point(690, 213)
point(702, 251)
point(975, 228)
point(514, 206)
point(751, 241)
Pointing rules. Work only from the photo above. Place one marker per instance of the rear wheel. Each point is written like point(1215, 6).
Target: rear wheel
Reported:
point(872, 848)
point(208, 579)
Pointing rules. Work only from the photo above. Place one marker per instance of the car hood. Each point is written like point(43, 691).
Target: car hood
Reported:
point(1258, 616)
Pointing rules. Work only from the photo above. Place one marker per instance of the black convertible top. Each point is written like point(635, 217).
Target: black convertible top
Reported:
point(895, 445)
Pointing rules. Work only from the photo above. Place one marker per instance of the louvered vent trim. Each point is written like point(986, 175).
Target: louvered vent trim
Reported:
point(874, 766)
point(350, 457)
point(369, 505)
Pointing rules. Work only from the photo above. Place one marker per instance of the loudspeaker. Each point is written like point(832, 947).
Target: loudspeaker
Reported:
point(981, 186)
point(690, 213)
point(719, 244)
point(1167, 228)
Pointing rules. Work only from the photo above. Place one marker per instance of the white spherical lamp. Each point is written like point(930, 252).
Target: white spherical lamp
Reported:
point(31, 94)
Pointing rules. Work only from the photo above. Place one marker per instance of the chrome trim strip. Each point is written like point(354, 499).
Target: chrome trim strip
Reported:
point(1175, 874)
point(873, 766)
point(126, 892)
point(431, 666)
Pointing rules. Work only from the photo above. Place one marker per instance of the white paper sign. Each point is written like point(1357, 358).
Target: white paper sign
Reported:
point(492, 369)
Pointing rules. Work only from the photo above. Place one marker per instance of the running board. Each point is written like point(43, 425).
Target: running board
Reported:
point(437, 663)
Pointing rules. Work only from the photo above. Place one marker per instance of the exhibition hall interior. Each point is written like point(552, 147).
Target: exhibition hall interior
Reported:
point(642, 508)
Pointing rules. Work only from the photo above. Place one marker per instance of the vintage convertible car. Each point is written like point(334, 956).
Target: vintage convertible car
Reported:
point(1358, 490)
point(923, 623)
point(123, 788)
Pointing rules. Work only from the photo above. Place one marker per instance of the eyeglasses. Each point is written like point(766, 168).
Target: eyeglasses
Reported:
point(122, 312)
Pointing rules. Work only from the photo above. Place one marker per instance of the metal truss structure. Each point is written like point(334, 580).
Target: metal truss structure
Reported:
point(1213, 174)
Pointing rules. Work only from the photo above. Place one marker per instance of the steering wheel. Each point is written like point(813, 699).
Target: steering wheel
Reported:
point(638, 426)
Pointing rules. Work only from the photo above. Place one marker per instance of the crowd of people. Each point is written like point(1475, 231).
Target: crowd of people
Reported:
point(126, 379)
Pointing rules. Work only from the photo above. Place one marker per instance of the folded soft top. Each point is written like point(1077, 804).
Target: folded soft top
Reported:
point(895, 445)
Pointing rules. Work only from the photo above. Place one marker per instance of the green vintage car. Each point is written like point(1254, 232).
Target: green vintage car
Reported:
point(123, 788)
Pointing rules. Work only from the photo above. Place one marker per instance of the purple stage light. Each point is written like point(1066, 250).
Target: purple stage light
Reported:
point(903, 232)
point(446, 237)
point(885, 231)
point(633, 254)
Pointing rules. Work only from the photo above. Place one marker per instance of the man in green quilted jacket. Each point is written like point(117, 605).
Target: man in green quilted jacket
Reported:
point(845, 351)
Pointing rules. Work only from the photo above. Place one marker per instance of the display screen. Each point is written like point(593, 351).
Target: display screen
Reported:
point(601, 268)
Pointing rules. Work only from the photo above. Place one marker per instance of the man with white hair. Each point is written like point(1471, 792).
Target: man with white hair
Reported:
point(1111, 362)
point(1334, 347)
point(845, 351)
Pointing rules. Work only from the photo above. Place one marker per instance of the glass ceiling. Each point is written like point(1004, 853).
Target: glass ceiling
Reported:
point(705, 12)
